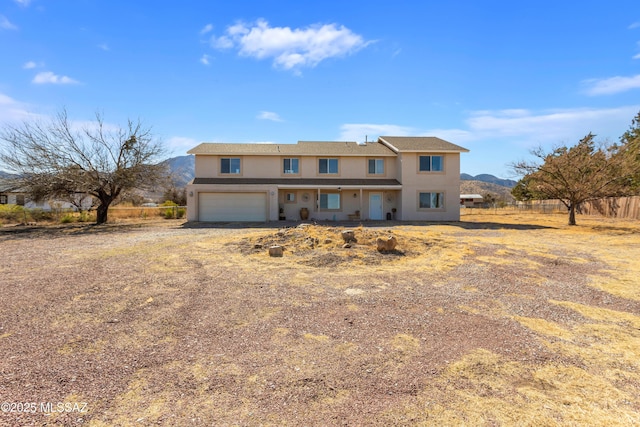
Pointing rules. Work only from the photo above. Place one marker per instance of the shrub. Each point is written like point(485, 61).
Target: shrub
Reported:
point(13, 213)
point(67, 218)
point(85, 216)
point(40, 215)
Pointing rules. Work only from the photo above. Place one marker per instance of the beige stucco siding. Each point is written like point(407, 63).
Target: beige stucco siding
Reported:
point(272, 167)
point(414, 182)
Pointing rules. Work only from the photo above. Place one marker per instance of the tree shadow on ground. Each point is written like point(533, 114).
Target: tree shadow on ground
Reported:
point(499, 226)
point(367, 224)
point(17, 232)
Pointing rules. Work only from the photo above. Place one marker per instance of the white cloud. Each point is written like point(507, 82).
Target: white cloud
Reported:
point(548, 127)
point(269, 115)
point(204, 59)
point(637, 56)
point(12, 111)
point(611, 85)
point(360, 131)
point(24, 3)
point(290, 49)
point(181, 144)
point(513, 127)
point(48, 77)
point(104, 47)
point(206, 29)
point(5, 24)
point(29, 65)
point(634, 25)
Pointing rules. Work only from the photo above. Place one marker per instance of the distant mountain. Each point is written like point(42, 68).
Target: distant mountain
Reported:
point(182, 169)
point(500, 192)
point(509, 183)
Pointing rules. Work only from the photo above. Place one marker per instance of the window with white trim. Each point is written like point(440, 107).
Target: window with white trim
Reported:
point(230, 165)
point(290, 166)
point(431, 163)
point(290, 197)
point(431, 200)
point(330, 201)
point(328, 166)
point(376, 167)
point(4, 199)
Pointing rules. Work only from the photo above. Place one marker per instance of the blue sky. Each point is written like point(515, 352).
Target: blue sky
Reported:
point(497, 77)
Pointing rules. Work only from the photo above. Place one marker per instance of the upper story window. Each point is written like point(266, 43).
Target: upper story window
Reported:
point(326, 166)
point(290, 166)
point(376, 167)
point(3, 199)
point(431, 163)
point(230, 165)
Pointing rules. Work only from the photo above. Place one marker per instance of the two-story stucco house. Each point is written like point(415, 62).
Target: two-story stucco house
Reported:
point(402, 178)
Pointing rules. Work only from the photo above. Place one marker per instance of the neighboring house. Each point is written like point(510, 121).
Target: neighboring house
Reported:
point(403, 178)
point(471, 200)
point(10, 195)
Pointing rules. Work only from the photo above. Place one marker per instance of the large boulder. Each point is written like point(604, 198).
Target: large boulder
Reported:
point(275, 251)
point(349, 236)
point(386, 244)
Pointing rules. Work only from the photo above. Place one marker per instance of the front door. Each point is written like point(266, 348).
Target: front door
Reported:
point(375, 206)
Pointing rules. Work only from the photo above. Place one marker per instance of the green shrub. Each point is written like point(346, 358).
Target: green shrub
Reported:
point(13, 213)
point(40, 215)
point(84, 216)
point(67, 218)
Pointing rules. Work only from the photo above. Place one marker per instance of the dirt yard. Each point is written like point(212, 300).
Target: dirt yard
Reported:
point(495, 320)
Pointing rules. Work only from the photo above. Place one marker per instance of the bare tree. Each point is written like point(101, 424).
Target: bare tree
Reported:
point(576, 174)
point(57, 159)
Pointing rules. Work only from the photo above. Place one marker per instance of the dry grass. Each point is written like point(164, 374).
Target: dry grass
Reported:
point(502, 319)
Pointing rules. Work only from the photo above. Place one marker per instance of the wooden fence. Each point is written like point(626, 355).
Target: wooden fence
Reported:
point(612, 207)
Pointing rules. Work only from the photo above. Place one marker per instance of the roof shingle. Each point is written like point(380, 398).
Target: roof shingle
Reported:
point(420, 143)
point(302, 148)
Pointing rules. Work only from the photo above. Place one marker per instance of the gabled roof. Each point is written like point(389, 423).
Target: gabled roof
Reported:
point(302, 148)
point(420, 144)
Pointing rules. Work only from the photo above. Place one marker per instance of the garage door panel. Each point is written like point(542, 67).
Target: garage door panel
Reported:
point(227, 207)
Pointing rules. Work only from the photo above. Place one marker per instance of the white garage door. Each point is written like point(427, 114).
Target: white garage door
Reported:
point(232, 207)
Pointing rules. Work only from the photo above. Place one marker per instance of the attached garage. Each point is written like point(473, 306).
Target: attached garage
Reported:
point(232, 207)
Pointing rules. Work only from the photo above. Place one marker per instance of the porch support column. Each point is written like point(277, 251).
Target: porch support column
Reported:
point(318, 201)
point(361, 213)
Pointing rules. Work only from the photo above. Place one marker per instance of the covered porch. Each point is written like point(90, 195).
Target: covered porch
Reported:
point(340, 201)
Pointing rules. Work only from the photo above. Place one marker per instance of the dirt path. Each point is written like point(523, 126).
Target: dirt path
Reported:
point(490, 321)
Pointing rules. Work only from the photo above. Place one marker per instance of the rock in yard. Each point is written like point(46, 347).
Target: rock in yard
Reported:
point(386, 244)
point(275, 251)
point(346, 246)
point(349, 236)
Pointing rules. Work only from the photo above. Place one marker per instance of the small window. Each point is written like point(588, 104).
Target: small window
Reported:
point(290, 166)
point(330, 201)
point(290, 197)
point(230, 165)
point(431, 163)
point(328, 166)
point(376, 166)
point(3, 199)
point(431, 200)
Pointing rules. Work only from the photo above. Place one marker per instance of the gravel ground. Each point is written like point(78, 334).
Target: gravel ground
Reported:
point(164, 324)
